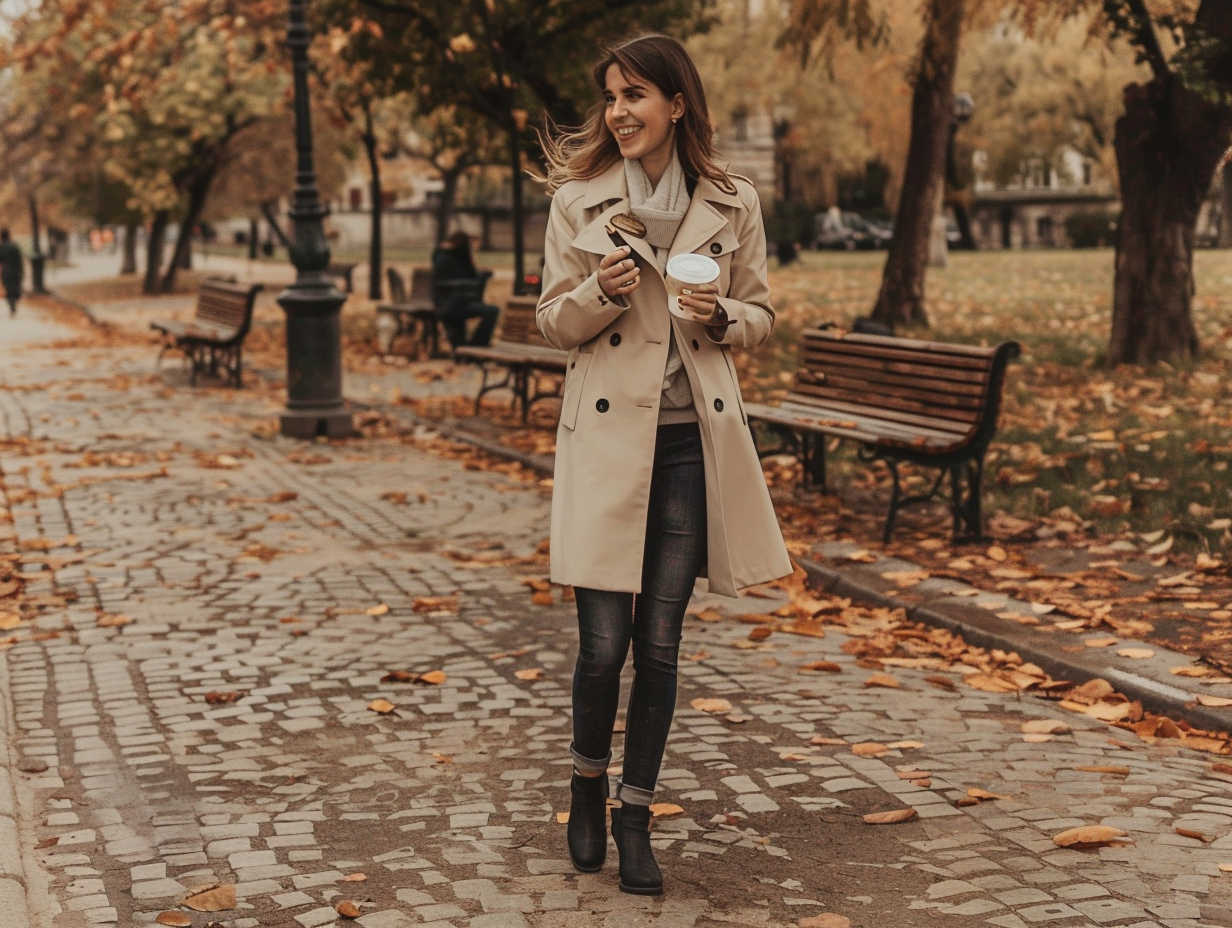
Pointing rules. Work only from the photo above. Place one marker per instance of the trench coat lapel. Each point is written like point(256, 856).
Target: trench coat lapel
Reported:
point(593, 238)
point(701, 222)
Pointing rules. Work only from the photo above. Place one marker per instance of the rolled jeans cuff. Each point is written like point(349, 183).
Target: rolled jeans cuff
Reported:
point(588, 766)
point(633, 795)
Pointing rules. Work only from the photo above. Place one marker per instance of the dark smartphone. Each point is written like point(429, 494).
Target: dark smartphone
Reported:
point(619, 241)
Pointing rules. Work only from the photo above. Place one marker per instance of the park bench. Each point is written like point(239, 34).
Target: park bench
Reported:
point(214, 337)
point(411, 312)
point(522, 354)
point(343, 271)
point(928, 403)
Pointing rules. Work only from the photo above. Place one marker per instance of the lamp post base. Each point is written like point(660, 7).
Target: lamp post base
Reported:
point(316, 423)
point(37, 260)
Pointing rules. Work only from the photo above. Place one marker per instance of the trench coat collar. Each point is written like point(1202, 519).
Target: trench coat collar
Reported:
point(701, 221)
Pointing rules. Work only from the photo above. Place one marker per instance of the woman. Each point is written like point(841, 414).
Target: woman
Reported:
point(657, 479)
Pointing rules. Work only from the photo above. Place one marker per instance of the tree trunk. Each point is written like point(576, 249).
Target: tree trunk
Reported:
point(1225, 216)
point(254, 232)
point(444, 206)
point(128, 264)
point(154, 252)
point(198, 193)
point(1168, 144)
point(377, 195)
point(275, 226)
point(519, 245)
point(901, 300)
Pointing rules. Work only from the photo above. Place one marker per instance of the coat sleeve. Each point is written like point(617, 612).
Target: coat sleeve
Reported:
point(572, 309)
point(748, 294)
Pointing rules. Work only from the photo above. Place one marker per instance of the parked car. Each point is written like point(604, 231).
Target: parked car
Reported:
point(848, 231)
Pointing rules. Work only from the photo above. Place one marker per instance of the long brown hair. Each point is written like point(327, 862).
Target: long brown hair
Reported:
point(587, 152)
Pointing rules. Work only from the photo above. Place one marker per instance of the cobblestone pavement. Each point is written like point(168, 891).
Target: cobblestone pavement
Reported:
point(211, 610)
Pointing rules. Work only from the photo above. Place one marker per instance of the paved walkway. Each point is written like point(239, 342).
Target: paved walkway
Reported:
point(210, 610)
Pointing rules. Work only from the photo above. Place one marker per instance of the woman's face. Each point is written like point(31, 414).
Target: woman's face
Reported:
point(640, 116)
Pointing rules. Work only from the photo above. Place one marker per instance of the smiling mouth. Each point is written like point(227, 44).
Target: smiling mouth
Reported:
point(625, 131)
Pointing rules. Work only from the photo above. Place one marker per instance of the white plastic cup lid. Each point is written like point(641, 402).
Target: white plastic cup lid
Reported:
point(693, 269)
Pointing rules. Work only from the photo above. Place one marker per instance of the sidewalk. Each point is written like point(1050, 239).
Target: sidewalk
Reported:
point(207, 615)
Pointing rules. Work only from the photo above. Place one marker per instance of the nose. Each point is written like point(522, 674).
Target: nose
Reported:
point(618, 107)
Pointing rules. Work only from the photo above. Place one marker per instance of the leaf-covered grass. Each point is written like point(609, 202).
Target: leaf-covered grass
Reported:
point(1130, 449)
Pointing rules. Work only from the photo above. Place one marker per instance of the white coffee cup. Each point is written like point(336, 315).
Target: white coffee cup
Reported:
point(685, 271)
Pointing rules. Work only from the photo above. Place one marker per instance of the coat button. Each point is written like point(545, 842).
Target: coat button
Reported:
point(604, 405)
point(572, 365)
point(696, 346)
point(718, 405)
point(615, 339)
point(715, 248)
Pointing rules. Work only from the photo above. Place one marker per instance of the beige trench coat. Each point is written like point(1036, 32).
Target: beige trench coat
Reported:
point(617, 353)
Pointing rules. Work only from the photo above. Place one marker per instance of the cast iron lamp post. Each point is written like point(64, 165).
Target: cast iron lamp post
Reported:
point(313, 303)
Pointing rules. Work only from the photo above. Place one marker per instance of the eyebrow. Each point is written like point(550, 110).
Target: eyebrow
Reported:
point(627, 88)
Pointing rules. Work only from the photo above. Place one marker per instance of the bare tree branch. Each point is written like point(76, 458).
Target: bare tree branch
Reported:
point(1148, 39)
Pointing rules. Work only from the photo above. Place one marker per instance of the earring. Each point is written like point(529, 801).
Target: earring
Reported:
point(674, 118)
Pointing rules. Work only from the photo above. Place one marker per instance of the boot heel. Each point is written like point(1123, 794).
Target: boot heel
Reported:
point(639, 872)
point(586, 835)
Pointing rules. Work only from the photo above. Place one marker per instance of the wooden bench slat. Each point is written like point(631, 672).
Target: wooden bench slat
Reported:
point(844, 424)
point(847, 410)
point(931, 359)
point(821, 356)
point(874, 380)
point(890, 343)
point(964, 409)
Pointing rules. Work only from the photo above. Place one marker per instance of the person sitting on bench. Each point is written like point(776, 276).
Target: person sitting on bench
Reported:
point(455, 305)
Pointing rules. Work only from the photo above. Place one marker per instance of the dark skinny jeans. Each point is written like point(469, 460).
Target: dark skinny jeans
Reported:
point(651, 620)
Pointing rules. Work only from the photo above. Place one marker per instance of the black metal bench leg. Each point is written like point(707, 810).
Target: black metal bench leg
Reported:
point(965, 504)
point(895, 497)
point(975, 480)
point(957, 507)
point(521, 391)
point(813, 449)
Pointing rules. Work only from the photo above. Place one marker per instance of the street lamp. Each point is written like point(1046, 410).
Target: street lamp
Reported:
point(313, 303)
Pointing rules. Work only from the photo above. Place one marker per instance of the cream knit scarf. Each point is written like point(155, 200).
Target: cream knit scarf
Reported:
point(661, 208)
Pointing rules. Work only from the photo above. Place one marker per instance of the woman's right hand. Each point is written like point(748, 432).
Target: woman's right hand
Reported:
point(618, 274)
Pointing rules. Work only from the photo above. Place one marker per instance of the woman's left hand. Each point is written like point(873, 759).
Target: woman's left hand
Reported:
point(701, 300)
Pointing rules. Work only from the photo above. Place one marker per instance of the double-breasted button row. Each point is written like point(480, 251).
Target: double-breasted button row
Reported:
point(603, 405)
point(615, 339)
point(718, 405)
point(715, 248)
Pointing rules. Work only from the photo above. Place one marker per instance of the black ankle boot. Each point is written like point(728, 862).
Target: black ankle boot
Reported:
point(639, 873)
point(587, 833)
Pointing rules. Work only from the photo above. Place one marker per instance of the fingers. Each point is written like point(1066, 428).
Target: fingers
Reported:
point(698, 303)
point(614, 257)
point(618, 273)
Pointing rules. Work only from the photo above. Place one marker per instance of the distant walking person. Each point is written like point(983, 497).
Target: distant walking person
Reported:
point(11, 270)
point(452, 263)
